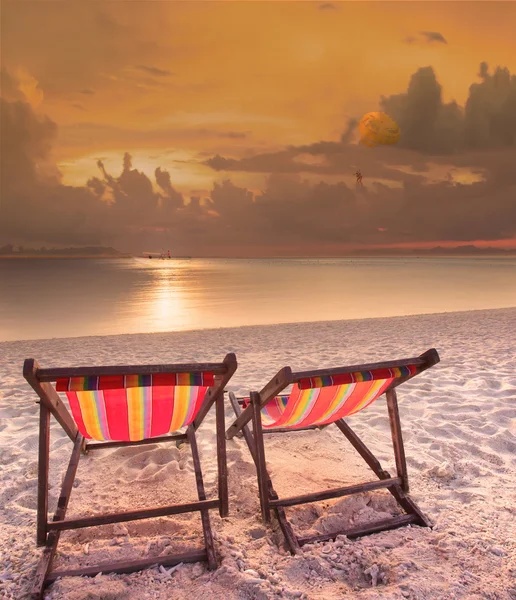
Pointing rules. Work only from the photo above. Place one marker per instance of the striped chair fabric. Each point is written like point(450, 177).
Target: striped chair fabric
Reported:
point(324, 400)
point(134, 407)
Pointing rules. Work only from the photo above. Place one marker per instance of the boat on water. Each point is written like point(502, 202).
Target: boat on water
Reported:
point(164, 256)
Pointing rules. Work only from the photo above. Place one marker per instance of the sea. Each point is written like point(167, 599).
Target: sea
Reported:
point(54, 298)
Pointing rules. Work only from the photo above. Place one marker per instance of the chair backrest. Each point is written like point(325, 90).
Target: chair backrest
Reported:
point(129, 403)
point(321, 400)
point(134, 407)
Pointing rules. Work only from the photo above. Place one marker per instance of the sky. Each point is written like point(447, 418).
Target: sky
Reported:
point(229, 128)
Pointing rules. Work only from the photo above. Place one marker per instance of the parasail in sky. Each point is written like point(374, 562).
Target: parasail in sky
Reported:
point(377, 128)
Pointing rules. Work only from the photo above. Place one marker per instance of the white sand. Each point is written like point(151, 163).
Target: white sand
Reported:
point(460, 438)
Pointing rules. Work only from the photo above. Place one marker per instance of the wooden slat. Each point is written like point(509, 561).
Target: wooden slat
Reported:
point(397, 439)
point(245, 430)
point(154, 440)
point(66, 372)
point(337, 493)
point(276, 385)
point(43, 466)
point(428, 358)
point(222, 463)
point(205, 517)
point(130, 566)
point(389, 364)
point(410, 507)
point(290, 429)
point(49, 551)
point(285, 526)
point(261, 468)
point(230, 366)
point(134, 515)
point(50, 398)
point(355, 532)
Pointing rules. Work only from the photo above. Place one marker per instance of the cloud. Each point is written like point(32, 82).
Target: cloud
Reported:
point(172, 197)
point(426, 122)
point(36, 206)
point(327, 6)
point(430, 125)
point(428, 38)
point(128, 210)
point(490, 112)
point(87, 92)
point(434, 36)
point(20, 85)
point(153, 71)
point(77, 136)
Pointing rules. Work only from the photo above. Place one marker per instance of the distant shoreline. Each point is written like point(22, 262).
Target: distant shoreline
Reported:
point(506, 254)
point(68, 256)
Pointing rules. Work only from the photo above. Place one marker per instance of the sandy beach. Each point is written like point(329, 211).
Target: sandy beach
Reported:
point(459, 429)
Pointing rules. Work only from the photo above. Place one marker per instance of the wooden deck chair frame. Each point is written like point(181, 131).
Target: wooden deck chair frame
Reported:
point(48, 532)
point(397, 486)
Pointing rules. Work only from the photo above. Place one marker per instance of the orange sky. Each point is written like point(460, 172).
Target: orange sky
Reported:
point(276, 73)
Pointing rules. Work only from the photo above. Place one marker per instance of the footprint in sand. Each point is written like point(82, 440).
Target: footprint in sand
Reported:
point(129, 451)
point(155, 459)
point(29, 500)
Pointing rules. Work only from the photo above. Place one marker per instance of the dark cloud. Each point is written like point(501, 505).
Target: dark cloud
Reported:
point(9, 86)
point(153, 71)
point(234, 135)
point(426, 122)
point(427, 38)
point(35, 206)
point(434, 36)
point(429, 125)
point(490, 112)
point(78, 106)
point(34, 203)
point(127, 210)
point(327, 6)
point(171, 197)
point(87, 92)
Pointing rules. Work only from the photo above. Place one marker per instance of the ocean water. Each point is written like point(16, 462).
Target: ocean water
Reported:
point(46, 298)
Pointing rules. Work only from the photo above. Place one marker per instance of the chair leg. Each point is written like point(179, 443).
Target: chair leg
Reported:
point(43, 466)
point(49, 551)
point(259, 448)
point(221, 457)
point(284, 524)
point(205, 517)
point(397, 439)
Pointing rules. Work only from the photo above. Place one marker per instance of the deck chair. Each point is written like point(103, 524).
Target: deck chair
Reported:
point(316, 400)
point(120, 406)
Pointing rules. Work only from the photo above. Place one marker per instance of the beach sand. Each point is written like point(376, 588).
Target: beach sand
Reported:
point(459, 428)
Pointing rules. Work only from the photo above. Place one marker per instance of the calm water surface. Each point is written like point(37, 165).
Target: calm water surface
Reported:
point(46, 298)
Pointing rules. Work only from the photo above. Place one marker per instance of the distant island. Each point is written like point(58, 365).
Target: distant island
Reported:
point(9, 251)
point(466, 250)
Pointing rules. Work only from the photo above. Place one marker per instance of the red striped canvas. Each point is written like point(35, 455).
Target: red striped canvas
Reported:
point(134, 407)
point(321, 401)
